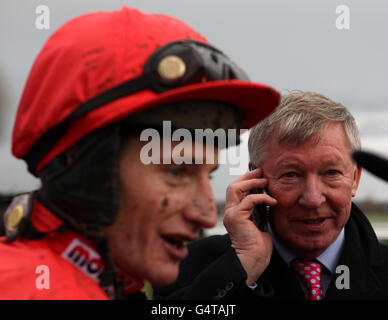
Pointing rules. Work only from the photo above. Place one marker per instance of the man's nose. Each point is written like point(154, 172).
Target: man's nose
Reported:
point(202, 210)
point(312, 193)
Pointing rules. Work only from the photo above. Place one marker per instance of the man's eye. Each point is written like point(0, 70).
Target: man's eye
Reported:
point(176, 172)
point(290, 175)
point(332, 172)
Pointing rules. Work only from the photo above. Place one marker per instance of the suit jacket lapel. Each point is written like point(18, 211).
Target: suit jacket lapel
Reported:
point(283, 279)
point(363, 280)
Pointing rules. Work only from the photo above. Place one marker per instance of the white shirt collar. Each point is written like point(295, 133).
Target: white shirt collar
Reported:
point(329, 258)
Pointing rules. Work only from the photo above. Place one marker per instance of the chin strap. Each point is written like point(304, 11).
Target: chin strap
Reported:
point(108, 279)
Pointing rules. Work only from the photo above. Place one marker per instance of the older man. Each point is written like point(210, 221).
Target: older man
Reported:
point(317, 244)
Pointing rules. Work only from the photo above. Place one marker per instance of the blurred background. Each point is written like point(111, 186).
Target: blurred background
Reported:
point(290, 45)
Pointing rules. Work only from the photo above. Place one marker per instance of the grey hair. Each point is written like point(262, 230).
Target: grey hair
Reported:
point(300, 117)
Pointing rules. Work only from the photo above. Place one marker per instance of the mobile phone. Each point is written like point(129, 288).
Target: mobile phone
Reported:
point(259, 213)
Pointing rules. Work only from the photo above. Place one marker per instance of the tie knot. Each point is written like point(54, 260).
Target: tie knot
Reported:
point(310, 273)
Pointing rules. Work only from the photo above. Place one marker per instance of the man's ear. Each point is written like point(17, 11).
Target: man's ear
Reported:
point(250, 165)
point(356, 180)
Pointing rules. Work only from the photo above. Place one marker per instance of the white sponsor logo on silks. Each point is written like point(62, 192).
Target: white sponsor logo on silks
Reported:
point(84, 258)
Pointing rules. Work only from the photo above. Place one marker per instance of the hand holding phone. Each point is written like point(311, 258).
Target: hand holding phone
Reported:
point(260, 213)
point(253, 247)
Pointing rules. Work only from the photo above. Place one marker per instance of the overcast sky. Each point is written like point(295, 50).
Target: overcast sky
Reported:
point(287, 44)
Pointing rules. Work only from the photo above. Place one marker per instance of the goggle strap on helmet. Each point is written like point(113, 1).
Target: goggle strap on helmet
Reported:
point(50, 137)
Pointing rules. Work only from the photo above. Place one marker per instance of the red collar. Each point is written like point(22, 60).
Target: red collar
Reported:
point(72, 246)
